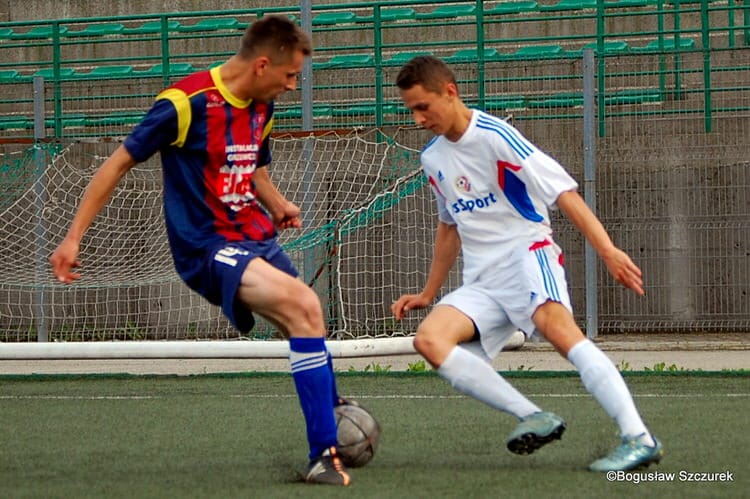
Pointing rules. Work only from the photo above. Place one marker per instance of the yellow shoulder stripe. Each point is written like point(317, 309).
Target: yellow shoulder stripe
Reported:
point(268, 127)
point(181, 103)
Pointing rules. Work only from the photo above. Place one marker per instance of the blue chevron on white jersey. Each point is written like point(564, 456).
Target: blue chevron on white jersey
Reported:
point(497, 188)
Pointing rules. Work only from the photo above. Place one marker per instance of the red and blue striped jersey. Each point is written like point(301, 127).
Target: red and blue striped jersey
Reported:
point(211, 143)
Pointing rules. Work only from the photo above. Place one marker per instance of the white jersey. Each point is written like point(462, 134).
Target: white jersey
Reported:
point(497, 188)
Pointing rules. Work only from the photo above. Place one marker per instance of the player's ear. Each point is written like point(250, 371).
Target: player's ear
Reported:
point(451, 89)
point(260, 64)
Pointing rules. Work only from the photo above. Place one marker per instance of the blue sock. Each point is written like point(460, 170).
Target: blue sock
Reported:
point(314, 382)
point(336, 397)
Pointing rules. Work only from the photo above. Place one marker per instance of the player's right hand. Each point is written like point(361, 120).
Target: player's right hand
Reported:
point(408, 302)
point(64, 259)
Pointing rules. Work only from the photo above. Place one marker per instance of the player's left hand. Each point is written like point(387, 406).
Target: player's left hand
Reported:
point(64, 260)
point(407, 302)
point(288, 218)
point(624, 270)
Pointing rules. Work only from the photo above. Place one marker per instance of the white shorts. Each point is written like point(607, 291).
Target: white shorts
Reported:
point(502, 302)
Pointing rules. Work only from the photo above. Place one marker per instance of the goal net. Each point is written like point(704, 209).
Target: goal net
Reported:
point(367, 238)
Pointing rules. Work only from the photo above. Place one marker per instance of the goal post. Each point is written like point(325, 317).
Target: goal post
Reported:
point(219, 349)
point(367, 237)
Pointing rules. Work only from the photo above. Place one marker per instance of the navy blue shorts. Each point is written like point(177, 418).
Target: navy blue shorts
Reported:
point(219, 279)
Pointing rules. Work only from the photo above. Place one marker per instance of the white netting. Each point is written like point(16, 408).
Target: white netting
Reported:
point(368, 231)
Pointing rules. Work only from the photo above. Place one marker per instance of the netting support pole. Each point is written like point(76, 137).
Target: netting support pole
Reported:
point(306, 84)
point(308, 266)
point(40, 258)
point(589, 187)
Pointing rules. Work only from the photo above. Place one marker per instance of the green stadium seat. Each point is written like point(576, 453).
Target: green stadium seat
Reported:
point(448, 11)
point(346, 61)
point(669, 45)
point(212, 24)
point(118, 118)
point(471, 55)
point(107, 72)
point(332, 18)
point(391, 15)
point(38, 32)
point(401, 58)
point(150, 27)
point(287, 113)
point(68, 121)
point(688, 1)
point(565, 99)
point(98, 30)
point(537, 52)
point(16, 123)
point(292, 112)
point(621, 4)
point(397, 14)
point(8, 75)
point(513, 8)
point(609, 47)
point(6, 33)
point(363, 109)
point(355, 110)
point(563, 5)
point(394, 108)
point(175, 68)
point(634, 96)
point(501, 103)
point(49, 73)
point(321, 111)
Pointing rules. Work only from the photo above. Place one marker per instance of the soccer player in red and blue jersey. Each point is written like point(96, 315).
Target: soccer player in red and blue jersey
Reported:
point(222, 211)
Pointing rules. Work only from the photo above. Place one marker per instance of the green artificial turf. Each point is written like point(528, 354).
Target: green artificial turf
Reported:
point(242, 436)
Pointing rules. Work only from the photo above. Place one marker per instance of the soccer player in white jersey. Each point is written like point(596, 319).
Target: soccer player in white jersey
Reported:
point(494, 190)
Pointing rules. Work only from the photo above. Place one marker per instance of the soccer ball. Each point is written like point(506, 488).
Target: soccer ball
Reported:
point(358, 435)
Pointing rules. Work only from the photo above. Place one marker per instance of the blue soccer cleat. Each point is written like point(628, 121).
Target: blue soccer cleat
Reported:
point(629, 455)
point(534, 431)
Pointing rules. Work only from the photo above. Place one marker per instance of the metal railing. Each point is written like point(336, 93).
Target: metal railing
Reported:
point(359, 47)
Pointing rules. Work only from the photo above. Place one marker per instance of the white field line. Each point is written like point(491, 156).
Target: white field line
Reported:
point(78, 397)
point(358, 397)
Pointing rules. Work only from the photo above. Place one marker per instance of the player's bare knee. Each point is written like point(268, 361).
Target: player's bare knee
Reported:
point(305, 315)
point(425, 342)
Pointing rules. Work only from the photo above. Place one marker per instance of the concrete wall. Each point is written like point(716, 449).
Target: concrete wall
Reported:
point(24, 10)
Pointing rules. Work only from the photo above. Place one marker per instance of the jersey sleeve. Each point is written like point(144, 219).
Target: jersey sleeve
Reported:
point(549, 177)
point(540, 172)
point(158, 129)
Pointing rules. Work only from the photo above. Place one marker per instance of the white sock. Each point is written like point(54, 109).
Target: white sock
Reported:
point(473, 376)
point(602, 380)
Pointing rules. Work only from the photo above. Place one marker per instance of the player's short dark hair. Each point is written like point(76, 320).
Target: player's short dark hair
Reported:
point(426, 70)
point(275, 36)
